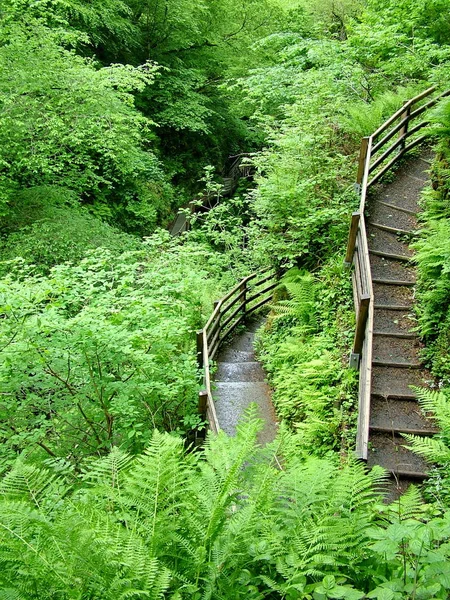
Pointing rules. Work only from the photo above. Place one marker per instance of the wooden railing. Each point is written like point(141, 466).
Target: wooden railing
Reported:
point(376, 157)
point(248, 295)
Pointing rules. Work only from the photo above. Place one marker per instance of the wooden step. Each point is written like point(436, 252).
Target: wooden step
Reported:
point(385, 269)
point(397, 307)
point(391, 295)
point(389, 215)
point(405, 416)
point(401, 430)
point(397, 364)
point(394, 382)
point(396, 351)
point(397, 335)
point(400, 257)
point(394, 322)
point(398, 282)
point(385, 241)
point(395, 230)
point(390, 452)
point(400, 208)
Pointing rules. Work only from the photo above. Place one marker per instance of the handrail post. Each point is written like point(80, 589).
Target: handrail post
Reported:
point(361, 321)
point(200, 348)
point(404, 129)
point(243, 290)
point(362, 162)
point(202, 403)
point(352, 238)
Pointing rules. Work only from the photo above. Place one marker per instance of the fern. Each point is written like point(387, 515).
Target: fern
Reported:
point(301, 289)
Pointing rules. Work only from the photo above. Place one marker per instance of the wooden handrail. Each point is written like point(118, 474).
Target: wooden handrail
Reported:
point(231, 310)
point(370, 170)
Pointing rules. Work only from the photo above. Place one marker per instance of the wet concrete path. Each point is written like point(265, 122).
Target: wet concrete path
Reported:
point(239, 381)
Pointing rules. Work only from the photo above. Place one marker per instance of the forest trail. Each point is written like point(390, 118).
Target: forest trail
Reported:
point(391, 218)
point(239, 381)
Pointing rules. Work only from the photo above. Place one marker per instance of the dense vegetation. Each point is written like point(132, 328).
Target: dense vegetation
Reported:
point(113, 114)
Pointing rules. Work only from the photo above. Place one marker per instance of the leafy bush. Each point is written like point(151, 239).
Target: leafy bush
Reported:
point(64, 235)
point(101, 352)
point(301, 349)
point(173, 525)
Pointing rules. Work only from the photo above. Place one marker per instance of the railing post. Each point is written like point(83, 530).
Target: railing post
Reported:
point(352, 239)
point(361, 321)
point(404, 129)
point(200, 348)
point(362, 162)
point(243, 290)
point(202, 403)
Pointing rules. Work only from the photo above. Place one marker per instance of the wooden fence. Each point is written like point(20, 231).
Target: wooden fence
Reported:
point(379, 152)
point(248, 295)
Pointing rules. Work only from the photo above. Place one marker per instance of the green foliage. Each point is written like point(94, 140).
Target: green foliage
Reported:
point(168, 524)
point(64, 234)
point(86, 136)
point(433, 252)
point(99, 353)
point(301, 350)
point(436, 449)
point(300, 288)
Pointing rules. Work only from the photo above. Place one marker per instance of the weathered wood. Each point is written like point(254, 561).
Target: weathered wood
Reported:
point(362, 159)
point(200, 349)
point(243, 294)
point(396, 115)
point(361, 322)
point(404, 129)
point(352, 238)
point(202, 403)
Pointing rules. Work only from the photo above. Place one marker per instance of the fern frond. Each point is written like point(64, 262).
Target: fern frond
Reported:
point(109, 470)
point(409, 506)
point(430, 448)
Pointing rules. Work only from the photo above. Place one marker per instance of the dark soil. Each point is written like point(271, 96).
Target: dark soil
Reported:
point(394, 321)
point(389, 295)
point(387, 242)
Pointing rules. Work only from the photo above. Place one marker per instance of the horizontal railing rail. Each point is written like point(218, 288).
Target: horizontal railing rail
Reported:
point(251, 293)
point(375, 159)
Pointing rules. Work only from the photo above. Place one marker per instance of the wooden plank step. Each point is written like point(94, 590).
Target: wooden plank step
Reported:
point(394, 382)
point(402, 307)
point(400, 257)
point(408, 397)
point(391, 453)
point(398, 431)
point(398, 282)
point(400, 208)
point(403, 336)
point(415, 177)
point(396, 415)
point(397, 364)
point(391, 295)
point(396, 351)
point(416, 475)
point(392, 229)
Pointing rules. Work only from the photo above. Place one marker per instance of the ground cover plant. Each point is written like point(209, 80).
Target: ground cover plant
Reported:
point(109, 113)
point(226, 523)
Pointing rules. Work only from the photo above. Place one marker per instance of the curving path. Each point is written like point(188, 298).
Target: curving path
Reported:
point(391, 219)
point(239, 381)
